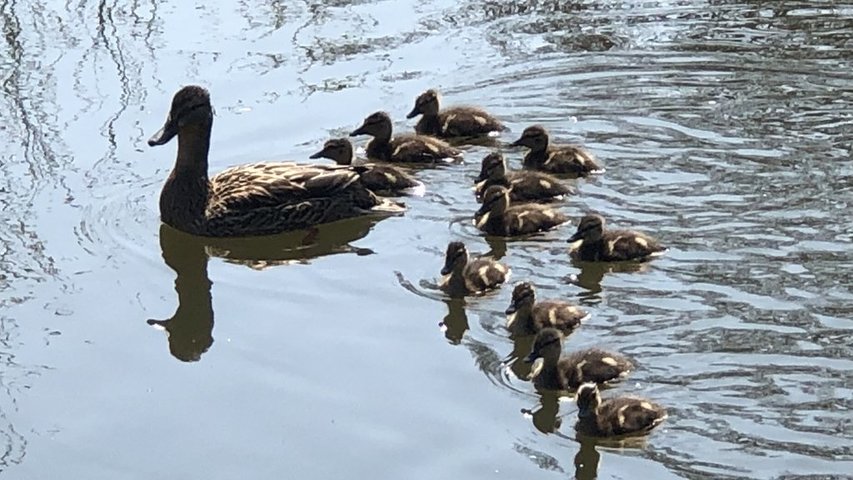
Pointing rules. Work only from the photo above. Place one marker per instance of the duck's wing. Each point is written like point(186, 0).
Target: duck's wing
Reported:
point(265, 184)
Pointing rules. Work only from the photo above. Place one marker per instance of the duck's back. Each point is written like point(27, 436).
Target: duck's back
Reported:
point(459, 122)
point(531, 218)
point(272, 197)
point(623, 245)
point(532, 186)
point(560, 315)
point(593, 365)
point(562, 160)
point(622, 416)
point(484, 274)
point(410, 148)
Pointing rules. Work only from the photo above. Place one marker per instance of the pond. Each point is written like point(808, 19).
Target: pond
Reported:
point(131, 350)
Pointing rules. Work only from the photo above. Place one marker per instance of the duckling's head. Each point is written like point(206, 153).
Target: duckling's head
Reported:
point(588, 399)
point(337, 149)
point(590, 229)
point(495, 201)
point(455, 258)
point(534, 138)
point(376, 124)
point(523, 296)
point(426, 104)
point(190, 108)
point(493, 166)
point(548, 345)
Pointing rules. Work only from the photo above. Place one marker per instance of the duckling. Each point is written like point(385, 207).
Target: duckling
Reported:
point(569, 372)
point(525, 316)
point(406, 148)
point(591, 243)
point(497, 217)
point(451, 122)
point(381, 179)
point(255, 199)
point(559, 159)
point(524, 185)
point(618, 416)
point(463, 277)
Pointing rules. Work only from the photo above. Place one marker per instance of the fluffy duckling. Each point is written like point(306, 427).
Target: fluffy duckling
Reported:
point(451, 122)
point(406, 148)
point(618, 416)
point(497, 217)
point(524, 186)
point(526, 316)
point(559, 159)
point(569, 372)
point(381, 179)
point(592, 243)
point(249, 200)
point(464, 276)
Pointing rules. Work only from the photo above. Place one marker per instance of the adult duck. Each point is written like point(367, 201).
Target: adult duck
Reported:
point(254, 199)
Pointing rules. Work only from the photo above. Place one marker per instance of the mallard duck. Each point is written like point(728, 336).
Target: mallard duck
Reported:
point(569, 372)
point(464, 276)
point(618, 416)
point(407, 148)
point(451, 122)
point(526, 316)
point(559, 159)
point(381, 179)
point(524, 185)
point(591, 243)
point(497, 217)
point(254, 199)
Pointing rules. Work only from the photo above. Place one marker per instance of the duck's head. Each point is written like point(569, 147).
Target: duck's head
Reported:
point(495, 201)
point(376, 124)
point(337, 149)
point(548, 345)
point(590, 229)
point(455, 258)
point(426, 104)
point(534, 138)
point(523, 297)
point(190, 108)
point(492, 166)
point(588, 399)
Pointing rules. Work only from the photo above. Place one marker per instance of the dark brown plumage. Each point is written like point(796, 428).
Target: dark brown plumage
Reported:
point(559, 159)
point(526, 316)
point(464, 276)
point(254, 199)
point(524, 185)
point(497, 217)
point(380, 179)
point(592, 243)
point(407, 148)
point(570, 371)
point(451, 122)
point(613, 417)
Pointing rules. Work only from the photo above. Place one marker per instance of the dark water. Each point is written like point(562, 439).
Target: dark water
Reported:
point(726, 128)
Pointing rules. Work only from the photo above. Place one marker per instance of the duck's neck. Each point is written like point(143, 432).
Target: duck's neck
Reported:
point(523, 318)
point(428, 124)
point(456, 280)
point(184, 197)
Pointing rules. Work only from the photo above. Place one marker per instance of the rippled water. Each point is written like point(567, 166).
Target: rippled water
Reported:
point(725, 127)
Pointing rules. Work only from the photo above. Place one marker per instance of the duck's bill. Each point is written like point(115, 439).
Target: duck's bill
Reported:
point(358, 131)
point(532, 357)
point(446, 270)
point(320, 154)
point(511, 309)
point(162, 137)
point(414, 113)
point(517, 143)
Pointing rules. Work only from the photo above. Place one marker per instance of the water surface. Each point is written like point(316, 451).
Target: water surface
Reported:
point(130, 350)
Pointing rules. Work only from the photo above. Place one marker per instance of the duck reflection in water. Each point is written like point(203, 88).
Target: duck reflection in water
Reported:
point(545, 417)
point(190, 329)
point(587, 460)
point(455, 323)
point(591, 275)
